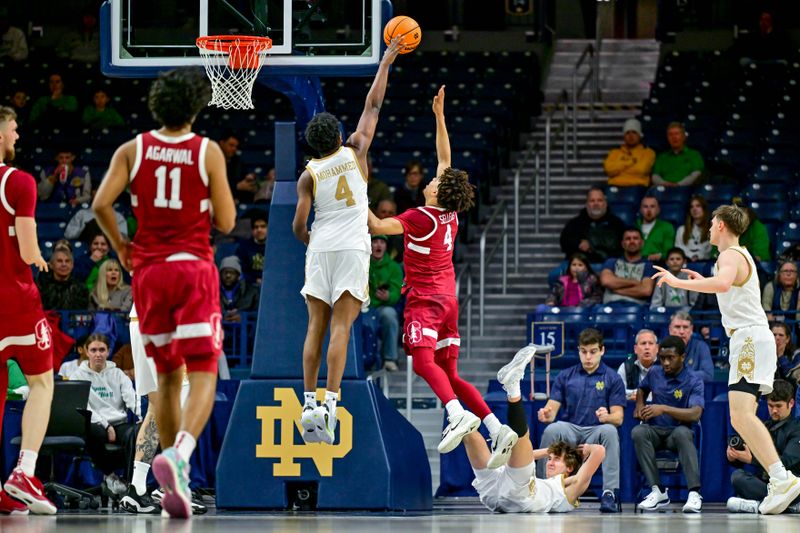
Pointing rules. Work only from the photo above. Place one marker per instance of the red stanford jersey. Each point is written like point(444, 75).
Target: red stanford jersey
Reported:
point(430, 233)
point(17, 199)
point(170, 198)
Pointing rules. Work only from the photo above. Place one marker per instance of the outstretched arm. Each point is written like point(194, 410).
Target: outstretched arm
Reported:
point(365, 131)
point(384, 226)
point(442, 139)
point(727, 268)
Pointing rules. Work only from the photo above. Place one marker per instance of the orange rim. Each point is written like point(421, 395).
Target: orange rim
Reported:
point(248, 48)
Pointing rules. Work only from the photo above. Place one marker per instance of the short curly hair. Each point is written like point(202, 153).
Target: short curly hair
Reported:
point(323, 134)
point(177, 96)
point(455, 192)
point(572, 458)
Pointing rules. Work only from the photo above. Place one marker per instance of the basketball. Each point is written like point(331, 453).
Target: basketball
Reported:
point(405, 27)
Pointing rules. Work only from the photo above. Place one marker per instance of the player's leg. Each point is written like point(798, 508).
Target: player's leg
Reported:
point(8, 505)
point(319, 314)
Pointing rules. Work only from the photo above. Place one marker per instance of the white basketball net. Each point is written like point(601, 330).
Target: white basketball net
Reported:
point(232, 65)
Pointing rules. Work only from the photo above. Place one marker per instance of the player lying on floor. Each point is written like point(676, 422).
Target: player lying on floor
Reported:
point(513, 488)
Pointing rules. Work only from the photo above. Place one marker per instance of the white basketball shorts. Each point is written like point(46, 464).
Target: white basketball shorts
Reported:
point(331, 274)
point(753, 356)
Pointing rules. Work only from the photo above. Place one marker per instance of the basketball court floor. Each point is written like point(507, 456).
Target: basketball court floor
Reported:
point(457, 515)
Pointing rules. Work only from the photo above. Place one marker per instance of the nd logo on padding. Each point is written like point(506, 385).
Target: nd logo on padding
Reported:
point(286, 449)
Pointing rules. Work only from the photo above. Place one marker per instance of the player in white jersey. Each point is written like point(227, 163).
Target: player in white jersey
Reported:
point(513, 488)
point(752, 345)
point(337, 259)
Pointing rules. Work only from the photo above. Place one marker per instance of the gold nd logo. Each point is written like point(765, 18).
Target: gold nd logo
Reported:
point(288, 415)
point(600, 385)
point(678, 394)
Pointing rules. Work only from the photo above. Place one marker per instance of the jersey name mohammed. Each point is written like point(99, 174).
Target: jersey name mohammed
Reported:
point(340, 203)
point(17, 199)
point(170, 198)
point(429, 237)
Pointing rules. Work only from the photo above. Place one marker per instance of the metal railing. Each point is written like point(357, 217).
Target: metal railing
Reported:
point(501, 208)
point(466, 303)
point(563, 103)
point(520, 197)
point(590, 76)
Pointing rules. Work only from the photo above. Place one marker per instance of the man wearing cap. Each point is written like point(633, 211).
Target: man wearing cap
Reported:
point(680, 165)
point(385, 281)
point(235, 293)
point(631, 163)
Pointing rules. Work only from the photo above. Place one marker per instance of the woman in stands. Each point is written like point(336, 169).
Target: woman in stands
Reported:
point(788, 357)
point(578, 287)
point(692, 237)
point(111, 293)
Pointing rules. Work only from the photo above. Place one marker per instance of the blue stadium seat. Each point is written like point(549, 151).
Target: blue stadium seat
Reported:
point(770, 211)
point(763, 192)
point(771, 174)
point(674, 213)
point(673, 195)
point(658, 320)
point(782, 245)
point(631, 195)
point(718, 193)
point(50, 212)
point(618, 323)
point(51, 231)
point(575, 319)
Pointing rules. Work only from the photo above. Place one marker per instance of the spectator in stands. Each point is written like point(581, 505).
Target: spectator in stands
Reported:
point(592, 396)
point(244, 188)
point(666, 296)
point(13, 44)
point(19, 103)
point(385, 282)
point(265, 188)
point(251, 251)
point(578, 287)
point(631, 163)
point(83, 221)
point(767, 44)
point(84, 43)
point(236, 295)
point(111, 293)
point(110, 396)
point(698, 354)
point(70, 367)
point(636, 366)
point(410, 194)
point(88, 265)
point(377, 190)
point(65, 182)
point(678, 403)
point(627, 279)
point(59, 288)
point(100, 115)
point(595, 231)
point(659, 235)
point(680, 165)
point(756, 237)
point(693, 236)
point(781, 293)
point(750, 488)
point(788, 356)
point(57, 110)
point(387, 208)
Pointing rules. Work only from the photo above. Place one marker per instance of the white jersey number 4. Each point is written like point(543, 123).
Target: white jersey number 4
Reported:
point(448, 238)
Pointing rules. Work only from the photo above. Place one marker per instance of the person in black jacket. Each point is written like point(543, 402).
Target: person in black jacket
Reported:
point(750, 488)
point(595, 231)
point(59, 288)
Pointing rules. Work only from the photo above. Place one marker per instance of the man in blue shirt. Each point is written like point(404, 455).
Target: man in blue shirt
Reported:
point(678, 403)
point(627, 278)
point(698, 354)
point(593, 398)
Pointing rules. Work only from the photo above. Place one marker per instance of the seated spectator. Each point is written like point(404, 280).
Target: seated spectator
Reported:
point(627, 279)
point(631, 163)
point(13, 44)
point(82, 44)
point(18, 388)
point(236, 295)
point(70, 367)
point(578, 287)
point(386, 209)
point(385, 281)
point(698, 354)
point(111, 293)
point(766, 44)
point(680, 165)
point(750, 488)
point(756, 237)
point(83, 220)
point(693, 236)
point(595, 231)
point(666, 296)
point(678, 403)
point(244, 188)
point(634, 369)
point(87, 266)
point(592, 396)
point(265, 188)
point(99, 115)
point(659, 235)
point(410, 194)
point(57, 110)
point(251, 251)
point(19, 103)
point(781, 293)
point(788, 356)
point(110, 396)
point(58, 287)
point(377, 190)
point(65, 182)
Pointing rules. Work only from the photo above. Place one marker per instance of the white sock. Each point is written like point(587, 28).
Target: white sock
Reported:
point(492, 424)
point(27, 462)
point(330, 401)
point(139, 480)
point(185, 444)
point(778, 471)
point(453, 408)
point(513, 390)
point(310, 399)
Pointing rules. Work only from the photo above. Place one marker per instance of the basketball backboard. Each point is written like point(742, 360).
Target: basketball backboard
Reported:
point(309, 37)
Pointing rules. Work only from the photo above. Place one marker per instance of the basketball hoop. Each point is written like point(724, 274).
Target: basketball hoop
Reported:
point(232, 64)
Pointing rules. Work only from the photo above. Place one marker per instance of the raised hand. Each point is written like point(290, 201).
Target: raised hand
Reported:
point(692, 274)
point(390, 54)
point(663, 276)
point(438, 102)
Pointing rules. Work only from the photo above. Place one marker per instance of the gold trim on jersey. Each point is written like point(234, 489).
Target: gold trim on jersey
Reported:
point(746, 365)
point(749, 268)
point(358, 164)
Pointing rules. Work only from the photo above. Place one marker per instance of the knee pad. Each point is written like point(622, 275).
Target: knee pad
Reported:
point(517, 419)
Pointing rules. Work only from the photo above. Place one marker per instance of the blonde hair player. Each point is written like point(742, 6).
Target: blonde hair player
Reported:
point(752, 345)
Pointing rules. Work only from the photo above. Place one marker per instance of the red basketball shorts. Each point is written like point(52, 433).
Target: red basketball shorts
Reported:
point(431, 321)
point(179, 317)
point(26, 336)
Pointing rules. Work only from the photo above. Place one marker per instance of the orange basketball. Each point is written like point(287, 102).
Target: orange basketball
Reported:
point(405, 27)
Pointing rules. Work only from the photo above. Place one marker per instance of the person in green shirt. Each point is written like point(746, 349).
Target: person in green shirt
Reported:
point(17, 385)
point(99, 115)
point(755, 238)
point(385, 281)
point(659, 235)
point(680, 165)
point(56, 108)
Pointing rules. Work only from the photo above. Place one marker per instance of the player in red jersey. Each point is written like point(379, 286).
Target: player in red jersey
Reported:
point(431, 312)
point(177, 184)
point(25, 333)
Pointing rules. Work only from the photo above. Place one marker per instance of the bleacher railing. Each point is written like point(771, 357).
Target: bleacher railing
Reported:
point(466, 303)
point(486, 258)
point(519, 197)
point(589, 77)
point(562, 103)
